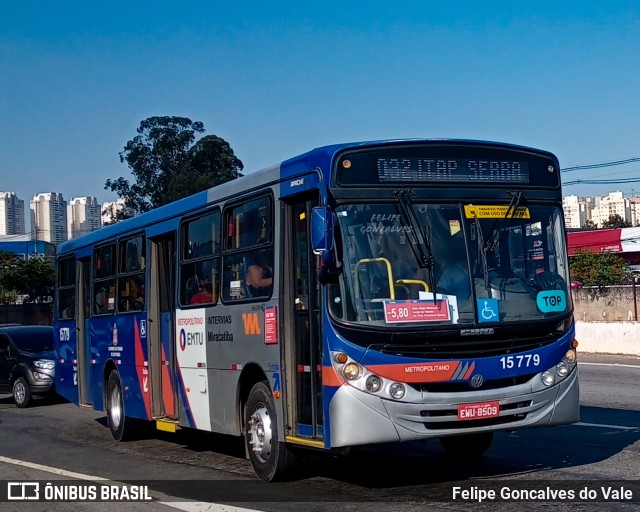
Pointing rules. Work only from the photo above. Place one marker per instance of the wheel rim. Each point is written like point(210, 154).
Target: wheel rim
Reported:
point(260, 432)
point(115, 407)
point(19, 392)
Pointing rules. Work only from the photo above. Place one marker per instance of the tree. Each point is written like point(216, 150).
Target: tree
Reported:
point(615, 221)
point(34, 278)
point(167, 165)
point(589, 224)
point(597, 268)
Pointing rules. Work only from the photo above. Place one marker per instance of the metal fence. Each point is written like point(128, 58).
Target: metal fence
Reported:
point(607, 303)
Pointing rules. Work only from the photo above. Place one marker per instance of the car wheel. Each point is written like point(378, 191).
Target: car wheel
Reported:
point(116, 418)
point(21, 392)
point(271, 459)
point(468, 445)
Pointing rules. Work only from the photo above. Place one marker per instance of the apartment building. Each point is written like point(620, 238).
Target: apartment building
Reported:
point(83, 216)
point(49, 217)
point(11, 214)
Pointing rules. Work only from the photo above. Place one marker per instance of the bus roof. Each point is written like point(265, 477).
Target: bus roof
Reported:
point(320, 157)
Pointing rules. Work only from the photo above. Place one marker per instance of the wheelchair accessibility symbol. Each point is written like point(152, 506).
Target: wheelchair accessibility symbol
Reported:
point(488, 310)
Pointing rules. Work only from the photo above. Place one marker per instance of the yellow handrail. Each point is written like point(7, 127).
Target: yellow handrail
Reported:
point(413, 281)
point(389, 274)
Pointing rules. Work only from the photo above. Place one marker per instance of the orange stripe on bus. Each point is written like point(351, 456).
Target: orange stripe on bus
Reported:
point(417, 372)
point(330, 377)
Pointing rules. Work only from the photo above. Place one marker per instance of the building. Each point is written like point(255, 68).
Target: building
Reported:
point(11, 214)
point(577, 211)
point(49, 217)
point(83, 216)
point(110, 210)
point(612, 204)
point(25, 247)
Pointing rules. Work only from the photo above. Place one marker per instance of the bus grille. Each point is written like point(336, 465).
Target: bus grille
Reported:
point(454, 387)
point(510, 413)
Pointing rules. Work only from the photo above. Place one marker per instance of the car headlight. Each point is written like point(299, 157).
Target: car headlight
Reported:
point(44, 364)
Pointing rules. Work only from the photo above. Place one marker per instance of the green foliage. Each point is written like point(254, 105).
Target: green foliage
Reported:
point(615, 221)
point(597, 269)
point(34, 278)
point(589, 224)
point(168, 164)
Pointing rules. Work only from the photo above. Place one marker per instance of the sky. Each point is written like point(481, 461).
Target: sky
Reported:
point(276, 79)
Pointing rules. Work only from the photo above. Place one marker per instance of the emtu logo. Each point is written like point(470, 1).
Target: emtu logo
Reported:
point(251, 323)
point(183, 340)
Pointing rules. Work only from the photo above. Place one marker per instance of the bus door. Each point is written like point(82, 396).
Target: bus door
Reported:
point(160, 330)
point(83, 332)
point(304, 384)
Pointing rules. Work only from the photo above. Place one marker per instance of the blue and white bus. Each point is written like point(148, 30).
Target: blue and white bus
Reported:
point(357, 294)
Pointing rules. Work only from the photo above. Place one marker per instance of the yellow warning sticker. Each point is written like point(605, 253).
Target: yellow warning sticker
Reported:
point(494, 212)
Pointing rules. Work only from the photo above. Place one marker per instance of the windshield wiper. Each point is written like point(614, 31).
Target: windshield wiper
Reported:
point(496, 233)
point(419, 239)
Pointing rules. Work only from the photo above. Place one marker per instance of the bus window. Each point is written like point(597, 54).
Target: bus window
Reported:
point(248, 262)
point(200, 260)
point(131, 275)
point(66, 288)
point(104, 283)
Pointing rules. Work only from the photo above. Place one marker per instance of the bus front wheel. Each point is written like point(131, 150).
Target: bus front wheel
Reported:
point(468, 445)
point(271, 459)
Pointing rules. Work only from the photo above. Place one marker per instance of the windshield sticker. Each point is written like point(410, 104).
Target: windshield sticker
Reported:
point(451, 299)
point(494, 212)
point(488, 310)
point(454, 227)
point(403, 311)
point(551, 301)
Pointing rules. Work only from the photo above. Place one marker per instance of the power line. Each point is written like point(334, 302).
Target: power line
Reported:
point(598, 166)
point(601, 182)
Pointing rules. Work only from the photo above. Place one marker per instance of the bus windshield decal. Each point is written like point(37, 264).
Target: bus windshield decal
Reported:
point(494, 212)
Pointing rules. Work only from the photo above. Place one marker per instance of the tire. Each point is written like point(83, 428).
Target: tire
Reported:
point(21, 392)
point(468, 445)
point(116, 418)
point(271, 459)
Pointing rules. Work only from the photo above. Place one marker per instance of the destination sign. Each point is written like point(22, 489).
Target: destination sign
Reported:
point(447, 164)
point(395, 170)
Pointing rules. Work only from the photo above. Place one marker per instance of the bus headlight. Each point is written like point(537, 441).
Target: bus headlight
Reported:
point(571, 356)
point(396, 390)
point(562, 369)
point(373, 383)
point(351, 371)
point(548, 378)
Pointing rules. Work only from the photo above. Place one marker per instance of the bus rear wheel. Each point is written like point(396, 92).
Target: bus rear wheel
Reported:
point(118, 424)
point(271, 459)
point(468, 445)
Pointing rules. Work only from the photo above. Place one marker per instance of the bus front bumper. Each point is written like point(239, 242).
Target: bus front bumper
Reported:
point(359, 418)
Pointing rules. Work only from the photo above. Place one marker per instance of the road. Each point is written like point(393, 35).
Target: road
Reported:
point(61, 441)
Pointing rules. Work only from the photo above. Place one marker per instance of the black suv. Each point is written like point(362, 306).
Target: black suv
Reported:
point(27, 362)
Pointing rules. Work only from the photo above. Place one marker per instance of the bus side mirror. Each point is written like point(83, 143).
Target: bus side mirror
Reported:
point(322, 231)
point(322, 241)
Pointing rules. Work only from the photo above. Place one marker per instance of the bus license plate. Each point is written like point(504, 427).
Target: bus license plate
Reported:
point(478, 411)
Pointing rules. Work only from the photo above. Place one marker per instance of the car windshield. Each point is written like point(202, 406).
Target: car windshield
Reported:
point(33, 340)
point(486, 264)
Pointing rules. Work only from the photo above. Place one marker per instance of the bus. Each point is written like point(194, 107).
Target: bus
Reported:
point(357, 294)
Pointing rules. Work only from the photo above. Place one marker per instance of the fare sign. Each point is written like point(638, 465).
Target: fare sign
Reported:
point(478, 411)
point(400, 311)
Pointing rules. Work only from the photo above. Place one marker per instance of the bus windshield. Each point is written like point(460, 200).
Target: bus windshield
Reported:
point(487, 264)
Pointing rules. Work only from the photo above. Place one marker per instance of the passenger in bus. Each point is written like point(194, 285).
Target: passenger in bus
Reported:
point(205, 294)
point(259, 274)
point(136, 295)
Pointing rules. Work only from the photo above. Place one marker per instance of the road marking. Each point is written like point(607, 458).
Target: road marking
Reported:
point(610, 364)
point(187, 506)
point(599, 425)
